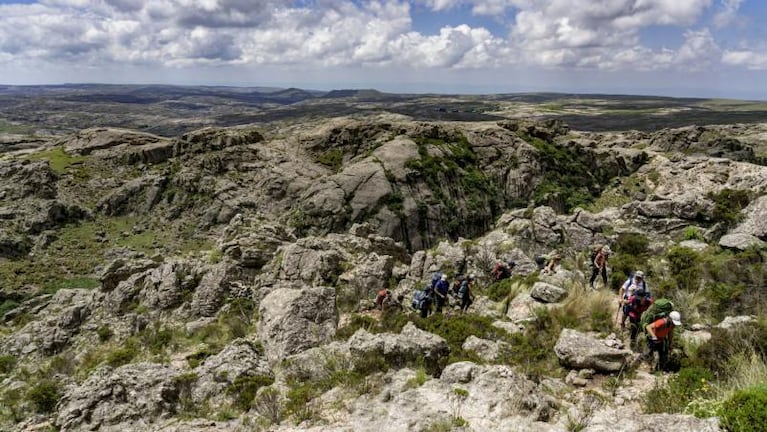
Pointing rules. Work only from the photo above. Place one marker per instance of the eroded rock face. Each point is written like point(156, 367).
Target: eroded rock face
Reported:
point(294, 320)
point(486, 349)
point(577, 350)
point(130, 396)
point(59, 319)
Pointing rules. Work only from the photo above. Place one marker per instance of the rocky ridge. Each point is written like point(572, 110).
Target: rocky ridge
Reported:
point(299, 224)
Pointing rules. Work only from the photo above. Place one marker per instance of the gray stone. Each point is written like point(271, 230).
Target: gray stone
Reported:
point(730, 322)
point(239, 359)
point(740, 241)
point(548, 293)
point(628, 420)
point(142, 392)
point(486, 349)
point(294, 320)
point(578, 350)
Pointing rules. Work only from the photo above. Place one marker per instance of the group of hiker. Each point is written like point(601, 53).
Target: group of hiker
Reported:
point(439, 290)
point(655, 318)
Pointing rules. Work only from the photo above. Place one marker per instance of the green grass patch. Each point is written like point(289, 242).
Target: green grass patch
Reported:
point(58, 159)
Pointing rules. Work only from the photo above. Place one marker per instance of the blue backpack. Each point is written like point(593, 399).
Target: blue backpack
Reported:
point(419, 298)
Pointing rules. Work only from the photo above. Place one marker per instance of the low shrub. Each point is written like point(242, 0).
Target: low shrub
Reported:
point(245, 388)
point(104, 333)
point(673, 397)
point(746, 410)
point(44, 396)
point(122, 356)
point(743, 340)
point(7, 363)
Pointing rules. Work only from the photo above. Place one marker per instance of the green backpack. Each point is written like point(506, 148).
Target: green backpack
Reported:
point(659, 309)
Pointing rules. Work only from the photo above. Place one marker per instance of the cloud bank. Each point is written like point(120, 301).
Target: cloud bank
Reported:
point(605, 35)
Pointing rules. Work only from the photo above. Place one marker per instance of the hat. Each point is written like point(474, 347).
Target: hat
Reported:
point(676, 318)
point(639, 274)
point(472, 276)
point(556, 256)
point(444, 277)
point(607, 250)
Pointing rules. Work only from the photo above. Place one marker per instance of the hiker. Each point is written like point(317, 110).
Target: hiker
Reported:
point(435, 278)
point(552, 265)
point(383, 297)
point(637, 305)
point(422, 301)
point(396, 304)
point(634, 283)
point(502, 270)
point(660, 335)
point(467, 298)
point(440, 292)
point(599, 265)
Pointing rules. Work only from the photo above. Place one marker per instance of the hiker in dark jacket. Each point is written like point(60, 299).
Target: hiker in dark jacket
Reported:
point(440, 292)
point(599, 266)
point(467, 297)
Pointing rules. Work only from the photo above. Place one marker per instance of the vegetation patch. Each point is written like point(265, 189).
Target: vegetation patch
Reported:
point(58, 159)
point(728, 204)
point(332, 159)
point(44, 396)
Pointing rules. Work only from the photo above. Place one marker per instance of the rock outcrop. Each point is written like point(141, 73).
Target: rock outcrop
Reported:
point(578, 350)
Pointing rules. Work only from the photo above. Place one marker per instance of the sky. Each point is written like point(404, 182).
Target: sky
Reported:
point(701, 48)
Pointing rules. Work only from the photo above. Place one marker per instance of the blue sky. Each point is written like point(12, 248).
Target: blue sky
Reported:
point(707, 48)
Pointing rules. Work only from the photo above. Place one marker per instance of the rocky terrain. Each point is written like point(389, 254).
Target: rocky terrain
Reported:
point(214, 280)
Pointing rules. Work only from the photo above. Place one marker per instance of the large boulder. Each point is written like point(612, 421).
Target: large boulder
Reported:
point(311, 261)
point(294, 320)
point(486, 349)
point(130, 395)
point(755, 221)
point(241, 359)
point(577, 350)
point(740, 241)
point(410, 347)
point(548, 293)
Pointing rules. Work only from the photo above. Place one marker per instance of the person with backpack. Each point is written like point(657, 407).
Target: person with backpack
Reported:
point(637, 305)
point(382, 298)
point(422, 301)
point(598, 265)
point(660, 336)
point(634, 283)
point(465, 292)
point(441, 290)
point(502, 270)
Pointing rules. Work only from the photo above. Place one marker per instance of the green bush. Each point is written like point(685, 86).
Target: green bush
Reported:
point(122, 356)
point(455, 330)
point(7, 363)
point(742, 340)
point(104, 333)
point(44, 396)
point(727, 205)
point(630, 254)
point(691, 383)
point(684, 266)
point(245, 388)
point(746, 410)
